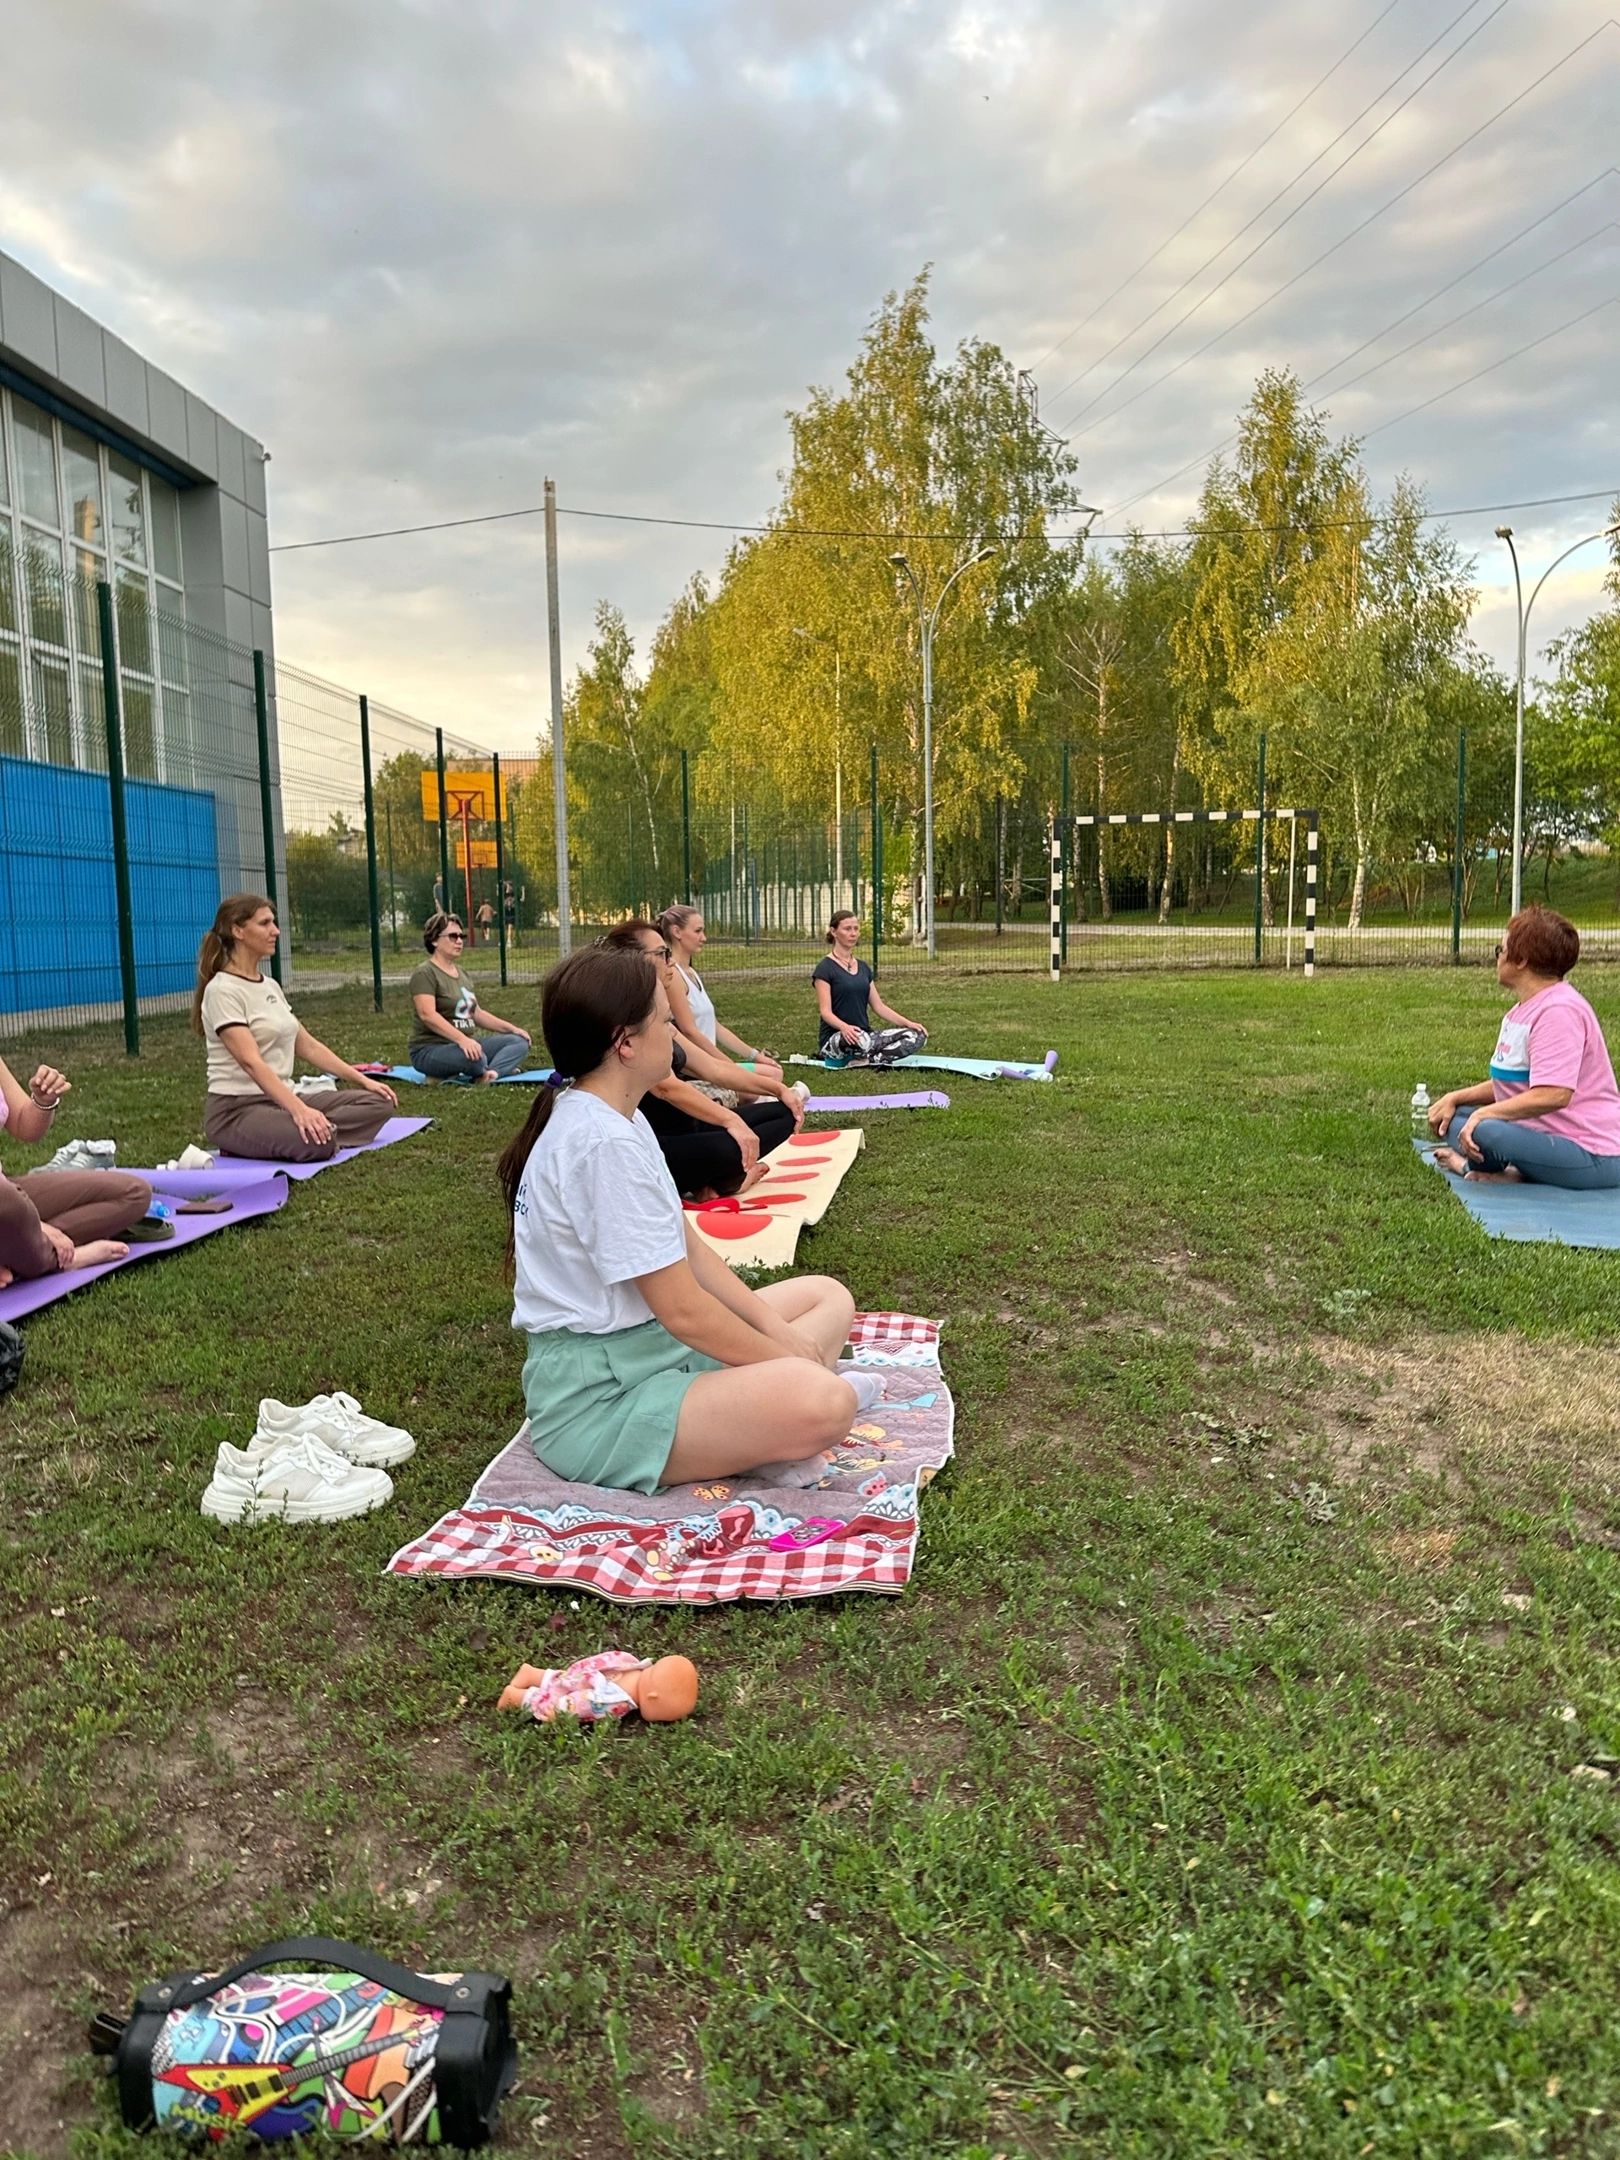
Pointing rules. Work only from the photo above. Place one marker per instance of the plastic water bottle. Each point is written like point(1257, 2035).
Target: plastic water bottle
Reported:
point(1420, 1114)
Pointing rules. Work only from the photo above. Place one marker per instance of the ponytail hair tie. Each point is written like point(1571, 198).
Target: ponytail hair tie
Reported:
point(559, 1080)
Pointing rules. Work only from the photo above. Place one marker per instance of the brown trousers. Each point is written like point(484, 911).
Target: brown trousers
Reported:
point(83, 1204)
point(254, 1126)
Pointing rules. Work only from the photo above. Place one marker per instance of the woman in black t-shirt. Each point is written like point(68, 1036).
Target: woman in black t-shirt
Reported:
point(844, 990)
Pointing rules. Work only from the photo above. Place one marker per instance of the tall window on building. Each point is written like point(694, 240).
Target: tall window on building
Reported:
point(72, 513)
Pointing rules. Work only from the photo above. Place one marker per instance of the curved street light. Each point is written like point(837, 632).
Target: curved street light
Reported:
point(1505, 532)
point(928, 618)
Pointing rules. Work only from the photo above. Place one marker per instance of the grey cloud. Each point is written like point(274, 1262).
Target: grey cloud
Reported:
point(431, 252)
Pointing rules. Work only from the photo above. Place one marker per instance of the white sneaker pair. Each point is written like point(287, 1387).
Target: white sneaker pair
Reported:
point(319, 1461)
point(337, 1422)
point(291, 1481)
point(84, 1155)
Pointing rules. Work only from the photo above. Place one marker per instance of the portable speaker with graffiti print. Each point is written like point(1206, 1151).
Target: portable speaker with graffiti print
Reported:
point(352, 2044)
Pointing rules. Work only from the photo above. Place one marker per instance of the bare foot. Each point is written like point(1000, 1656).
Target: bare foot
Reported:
point(753, 1177)
point(1449, 1159)
point(488, 1077)
point(1509, 1176)
point(97, 1251)
point(6, 1278)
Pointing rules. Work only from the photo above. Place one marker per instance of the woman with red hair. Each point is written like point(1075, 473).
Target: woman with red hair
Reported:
point(1550, 1112)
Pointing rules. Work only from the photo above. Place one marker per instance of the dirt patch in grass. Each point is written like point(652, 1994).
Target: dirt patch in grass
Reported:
point(1502, 1398)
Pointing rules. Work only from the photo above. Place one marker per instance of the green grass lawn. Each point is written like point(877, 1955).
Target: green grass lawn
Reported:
point(1208, 1792)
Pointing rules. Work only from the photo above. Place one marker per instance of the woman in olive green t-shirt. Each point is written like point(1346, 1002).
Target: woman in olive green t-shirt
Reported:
point(445, 1013)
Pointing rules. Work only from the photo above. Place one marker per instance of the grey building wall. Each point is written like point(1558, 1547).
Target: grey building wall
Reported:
point(224, 525)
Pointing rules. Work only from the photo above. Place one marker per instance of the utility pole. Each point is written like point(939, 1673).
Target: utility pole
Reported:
point(559, 769)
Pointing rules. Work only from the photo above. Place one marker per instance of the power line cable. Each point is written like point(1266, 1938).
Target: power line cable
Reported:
point(1304, 202)
point(811, 532)
point(1294, 181)
point(1237, 171)
point(1440, 291)
point(1372, 217)
point(1205, 456)
point(1545, 338)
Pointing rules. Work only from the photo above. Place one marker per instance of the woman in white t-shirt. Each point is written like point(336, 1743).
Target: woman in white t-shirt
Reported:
point(649, 1363)
point(255, 1041)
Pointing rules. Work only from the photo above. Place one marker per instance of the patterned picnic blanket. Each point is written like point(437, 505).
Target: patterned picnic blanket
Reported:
point(709, 1544)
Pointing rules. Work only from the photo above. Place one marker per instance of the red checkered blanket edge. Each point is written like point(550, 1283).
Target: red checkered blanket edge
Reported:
point(712, 1554)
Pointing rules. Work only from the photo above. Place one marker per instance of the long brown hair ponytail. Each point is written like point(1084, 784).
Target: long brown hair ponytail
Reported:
point(215, 951)
point(586, 1003)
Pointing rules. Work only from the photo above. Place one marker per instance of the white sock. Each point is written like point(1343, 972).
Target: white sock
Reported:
point(868, 1388)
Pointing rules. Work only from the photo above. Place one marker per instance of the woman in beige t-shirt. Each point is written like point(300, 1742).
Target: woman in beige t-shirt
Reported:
point(254, 1041)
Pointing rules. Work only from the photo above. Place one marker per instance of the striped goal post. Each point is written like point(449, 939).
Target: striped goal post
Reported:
point(1310, 819)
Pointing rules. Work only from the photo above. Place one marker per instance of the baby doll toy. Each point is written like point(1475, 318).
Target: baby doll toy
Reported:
point(610, 1685)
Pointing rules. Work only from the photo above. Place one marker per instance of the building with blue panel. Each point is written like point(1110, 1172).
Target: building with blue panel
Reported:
point(113, 473)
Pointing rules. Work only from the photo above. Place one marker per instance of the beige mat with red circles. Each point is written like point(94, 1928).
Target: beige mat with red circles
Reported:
point(760, 1228)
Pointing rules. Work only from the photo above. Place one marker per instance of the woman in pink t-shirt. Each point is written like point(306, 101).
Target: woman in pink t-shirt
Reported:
point(1550, 1112)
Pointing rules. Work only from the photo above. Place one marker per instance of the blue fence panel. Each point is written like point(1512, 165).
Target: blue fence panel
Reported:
point(59, 932)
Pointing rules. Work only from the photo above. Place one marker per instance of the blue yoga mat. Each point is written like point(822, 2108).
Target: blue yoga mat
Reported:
point(416, 1079)
point(1537, 1214)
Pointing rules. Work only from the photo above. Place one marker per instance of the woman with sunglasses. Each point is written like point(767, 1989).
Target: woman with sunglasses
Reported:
point(446, 1012)
point(254, 1042)
point(1550, 1112)
point(649, 1363)
point(711, 1150)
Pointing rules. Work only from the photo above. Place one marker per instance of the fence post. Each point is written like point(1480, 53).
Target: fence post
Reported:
point(1057, 900)
point(500, 865)
point(877, 865)
point(1457, 848)
point(1313, 839)
point(371, 855)
point(444, 838)
point(747, 883)
point(1001, 856)
point(267, 812)
point(686, 831)
point(393, 889)
point(120, 825)
point(1066, 847)
point(1260, 859)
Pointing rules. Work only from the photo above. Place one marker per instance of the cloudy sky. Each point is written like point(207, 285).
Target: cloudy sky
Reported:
point(432, 250)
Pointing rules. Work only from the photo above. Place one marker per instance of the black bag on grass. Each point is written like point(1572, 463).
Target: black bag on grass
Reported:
point(350, 2043)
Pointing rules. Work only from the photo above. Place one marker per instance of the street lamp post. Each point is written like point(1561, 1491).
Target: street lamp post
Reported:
point(811, 638)
point(929, 618)
point(1505, 532)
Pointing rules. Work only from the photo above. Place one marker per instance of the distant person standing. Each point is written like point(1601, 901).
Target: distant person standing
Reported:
point(509, 910)
point(485, 919)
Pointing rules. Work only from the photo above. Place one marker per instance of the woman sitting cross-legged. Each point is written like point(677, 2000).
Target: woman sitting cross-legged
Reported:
point(683, 932)
point(255, 1041)
point(844, 989)
point(446, 1014)
point(649, 1362)
point(1550, 1112)
point(711, 1150)
point(56, 1219)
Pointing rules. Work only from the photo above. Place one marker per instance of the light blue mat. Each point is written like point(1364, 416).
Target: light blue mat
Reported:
point(1537, 1214)
point(976, 1068)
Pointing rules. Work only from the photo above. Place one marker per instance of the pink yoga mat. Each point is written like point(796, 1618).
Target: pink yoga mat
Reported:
point(260, 1196)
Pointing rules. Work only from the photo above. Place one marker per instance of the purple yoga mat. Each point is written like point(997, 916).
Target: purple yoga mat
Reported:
point(231, 1173)
point(260, 1196)
point(924, 1099)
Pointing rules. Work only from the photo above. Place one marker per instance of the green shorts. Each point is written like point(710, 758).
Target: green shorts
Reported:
point(602, 1408)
